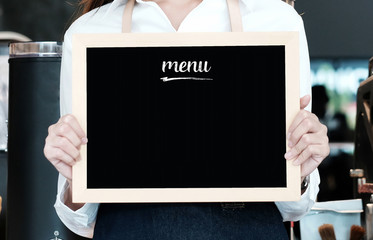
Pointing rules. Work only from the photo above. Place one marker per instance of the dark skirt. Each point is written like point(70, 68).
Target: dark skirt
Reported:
point(205, 221)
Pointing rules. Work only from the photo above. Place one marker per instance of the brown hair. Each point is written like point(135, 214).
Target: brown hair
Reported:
point(88, 5)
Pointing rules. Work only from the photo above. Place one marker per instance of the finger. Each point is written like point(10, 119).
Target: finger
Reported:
point(74, 124)
point(65, 170)
point(56, 155)
point(297, 120)
point(304, 155)
point(54, 141)
point(312, 153)
point(308, 167)
point(66, 131)
point(306, 140)
point(304, 101)
point(312, 163)
point(305, 122)
point(65, 145)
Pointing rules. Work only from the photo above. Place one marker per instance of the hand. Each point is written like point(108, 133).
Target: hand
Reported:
point(62, 145)
point(307, 140)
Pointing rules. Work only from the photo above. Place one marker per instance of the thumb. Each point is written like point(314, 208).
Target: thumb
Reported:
point(304, 101)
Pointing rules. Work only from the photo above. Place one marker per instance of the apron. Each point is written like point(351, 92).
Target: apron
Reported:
point(189, 221)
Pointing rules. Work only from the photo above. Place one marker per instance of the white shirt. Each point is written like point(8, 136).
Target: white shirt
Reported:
point(209, 16)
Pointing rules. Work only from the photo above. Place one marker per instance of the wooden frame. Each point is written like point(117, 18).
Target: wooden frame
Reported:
point(82, 42)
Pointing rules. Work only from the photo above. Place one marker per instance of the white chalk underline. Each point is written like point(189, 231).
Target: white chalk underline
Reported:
point(167, 79)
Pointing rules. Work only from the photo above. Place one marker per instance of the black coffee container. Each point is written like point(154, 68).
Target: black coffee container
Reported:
point(34, 69)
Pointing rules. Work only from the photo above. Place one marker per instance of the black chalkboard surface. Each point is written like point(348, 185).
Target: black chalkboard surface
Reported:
point(185, 117)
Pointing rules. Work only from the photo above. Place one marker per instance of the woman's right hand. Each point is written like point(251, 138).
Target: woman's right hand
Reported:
point(62, 145)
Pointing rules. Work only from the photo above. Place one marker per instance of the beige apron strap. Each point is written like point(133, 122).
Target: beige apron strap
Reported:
point(127, 16)
point(233, 7)
point(235, 15)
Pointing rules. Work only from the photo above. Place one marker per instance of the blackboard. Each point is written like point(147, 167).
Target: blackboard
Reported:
point(169, 120)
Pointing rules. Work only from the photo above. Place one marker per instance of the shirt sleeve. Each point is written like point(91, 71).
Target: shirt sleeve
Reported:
point(83, 220)
point(294, 211)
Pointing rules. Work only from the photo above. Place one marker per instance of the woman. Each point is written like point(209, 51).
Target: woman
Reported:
point(307, 136)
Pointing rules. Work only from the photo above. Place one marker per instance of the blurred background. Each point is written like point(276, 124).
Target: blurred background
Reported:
point(340, 45)
point(340, 41)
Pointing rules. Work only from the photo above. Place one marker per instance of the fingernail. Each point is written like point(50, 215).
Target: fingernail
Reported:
point(288, 155)
point(84, 140)
point(290, 144)
point(288, 136)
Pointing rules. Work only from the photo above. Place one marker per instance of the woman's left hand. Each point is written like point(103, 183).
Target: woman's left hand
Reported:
point(307, 140)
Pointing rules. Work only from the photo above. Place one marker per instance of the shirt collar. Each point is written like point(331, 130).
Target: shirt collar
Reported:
point(116, 3)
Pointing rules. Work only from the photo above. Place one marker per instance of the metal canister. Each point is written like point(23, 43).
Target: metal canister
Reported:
point(369, 221)
point(4, 83)
point(34, 69)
